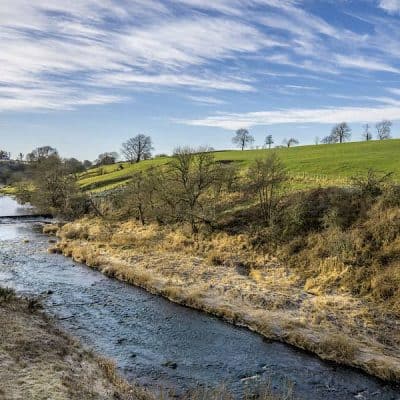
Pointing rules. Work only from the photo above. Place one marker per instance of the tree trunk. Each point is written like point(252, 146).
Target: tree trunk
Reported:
point(141, 215)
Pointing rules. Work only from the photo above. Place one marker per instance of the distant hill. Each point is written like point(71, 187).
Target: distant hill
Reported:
point(309, 166)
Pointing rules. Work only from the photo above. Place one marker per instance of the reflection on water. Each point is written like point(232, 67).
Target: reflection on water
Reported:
point(10, 207)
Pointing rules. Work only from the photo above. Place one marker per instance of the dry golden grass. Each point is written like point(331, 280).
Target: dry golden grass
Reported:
point(309, 305)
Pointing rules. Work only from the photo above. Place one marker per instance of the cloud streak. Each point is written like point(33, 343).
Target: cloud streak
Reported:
point(55, 55)
point(233, 121)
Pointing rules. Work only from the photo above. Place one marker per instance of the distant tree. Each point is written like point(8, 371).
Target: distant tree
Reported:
point(4, 155)
point(243, 138)
point(329, 139)
point(41, 153)
point(73, 166)
point(87, 164)
point(341, 132)
point(20, 157)
point(290, 142)
point(106, 158)
point(266, 178)
point(137, 148)
point(316, 140)
point(269, 141)
point(367, 135)
point(384, 129)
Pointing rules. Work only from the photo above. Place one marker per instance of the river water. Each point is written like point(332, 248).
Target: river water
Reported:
point(143, 332)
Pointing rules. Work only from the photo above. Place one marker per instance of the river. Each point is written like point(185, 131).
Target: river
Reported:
point(155, 342)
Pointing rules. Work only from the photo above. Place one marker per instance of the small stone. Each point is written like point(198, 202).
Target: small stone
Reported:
point(170, 364)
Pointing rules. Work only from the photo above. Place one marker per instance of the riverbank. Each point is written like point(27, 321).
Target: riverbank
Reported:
point(268, 299)
point(38, 360)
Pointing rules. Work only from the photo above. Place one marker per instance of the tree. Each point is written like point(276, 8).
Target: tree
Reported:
point(341, 132)
point(316, 140)
point(4, 155)
point(106, 158)
point(242, 138)
point(87, 164)
point(384, 129)
point(137, 197)
point(73, 166)
point(192, 173)
point(40, 154)
point(266, 177)
point(291, 142)
point(328, 139)
point(137, 148)
point(269, 141)
point(367, 135)
point(55, 189)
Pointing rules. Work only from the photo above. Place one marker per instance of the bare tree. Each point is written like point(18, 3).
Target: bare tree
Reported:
point(192, 173)
point(137, 198)
point(4, 155)
point(87, 164)
point(55, 189)
point(41, 153)
point(106, 158)
point(243, 138)
point(384, 129)
point(316, 140)
point(341, 132)
point(329, 140)
point(367, 135)
point(73, 166)
point(266, 178)
point(137, 148)
point(290, 142)
point(269, 141)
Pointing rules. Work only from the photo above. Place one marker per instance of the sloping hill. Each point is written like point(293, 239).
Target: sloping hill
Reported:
point(309, 165)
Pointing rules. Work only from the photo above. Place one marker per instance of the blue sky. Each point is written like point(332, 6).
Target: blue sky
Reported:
point(86, 75)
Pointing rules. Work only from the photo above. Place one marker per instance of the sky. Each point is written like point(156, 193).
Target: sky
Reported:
point(85, 75)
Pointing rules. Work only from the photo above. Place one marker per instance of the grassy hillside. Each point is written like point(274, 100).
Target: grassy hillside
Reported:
point(310, 165)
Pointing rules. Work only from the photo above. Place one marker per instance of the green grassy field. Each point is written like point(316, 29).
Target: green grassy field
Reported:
point(308, 165)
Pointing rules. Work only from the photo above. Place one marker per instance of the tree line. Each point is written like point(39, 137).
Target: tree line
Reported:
point(140, 147)
point(191, 188)
point(340, 133)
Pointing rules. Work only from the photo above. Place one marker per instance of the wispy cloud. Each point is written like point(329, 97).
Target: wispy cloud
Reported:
point(206, 100)
point(391, 6)
point(55, 54)
point(395, 91)
point(232, 121)
point(364, 63)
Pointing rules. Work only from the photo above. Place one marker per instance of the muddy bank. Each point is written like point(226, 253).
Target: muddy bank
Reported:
point(336, 327)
